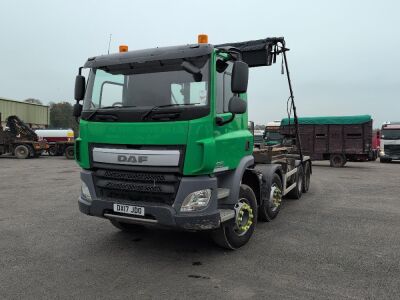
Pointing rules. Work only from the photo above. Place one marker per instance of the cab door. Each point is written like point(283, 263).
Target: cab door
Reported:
point(232, 140)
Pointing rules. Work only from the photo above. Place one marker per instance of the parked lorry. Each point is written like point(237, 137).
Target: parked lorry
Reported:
point(272, 135)
point(20, 140)
point(258, 138)
point(376, 142)
point(336, 138)
point(61, 141)
point(390, 142)
point(164, 141)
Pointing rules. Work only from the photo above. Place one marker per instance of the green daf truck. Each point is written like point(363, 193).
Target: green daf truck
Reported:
point(164, 141)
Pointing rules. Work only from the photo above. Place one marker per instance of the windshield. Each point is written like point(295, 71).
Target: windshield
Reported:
point(159, 83)
point(390, 134)
point(272, 136)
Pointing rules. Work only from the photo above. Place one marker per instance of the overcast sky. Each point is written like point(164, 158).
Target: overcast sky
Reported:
point(344, 54)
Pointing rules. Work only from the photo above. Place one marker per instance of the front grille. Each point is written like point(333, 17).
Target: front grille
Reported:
point(392, 150)
point(136, 186)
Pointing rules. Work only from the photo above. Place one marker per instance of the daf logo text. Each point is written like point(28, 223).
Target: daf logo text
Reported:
point(132, 158)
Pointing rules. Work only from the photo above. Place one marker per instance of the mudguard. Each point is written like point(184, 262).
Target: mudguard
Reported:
point(265, 172)
point(232, 180)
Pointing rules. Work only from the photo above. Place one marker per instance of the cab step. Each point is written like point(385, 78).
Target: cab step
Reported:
point(222, 193)
point(226, 214)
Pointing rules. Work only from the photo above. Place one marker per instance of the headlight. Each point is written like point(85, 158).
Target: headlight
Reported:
point(196, 201)
point(85, 192)
point(381, 153)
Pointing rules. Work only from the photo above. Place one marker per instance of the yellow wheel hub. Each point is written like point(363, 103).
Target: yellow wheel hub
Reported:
point(244, 217)
point(276, 197)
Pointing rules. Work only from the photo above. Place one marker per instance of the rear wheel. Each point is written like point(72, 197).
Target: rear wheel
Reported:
point(298, 189)
point(21, 152)
point(307, 177)
point(269, 209)
point(52, 151)
point(69, 152)
point(128, 227)
point(236, 232)
point(337, 160)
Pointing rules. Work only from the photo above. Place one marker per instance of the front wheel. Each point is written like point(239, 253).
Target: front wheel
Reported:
point(236, 232)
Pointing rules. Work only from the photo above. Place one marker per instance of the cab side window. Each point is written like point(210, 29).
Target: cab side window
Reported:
point(224, 93)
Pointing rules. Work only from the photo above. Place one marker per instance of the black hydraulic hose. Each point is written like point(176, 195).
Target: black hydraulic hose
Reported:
point(296, 121)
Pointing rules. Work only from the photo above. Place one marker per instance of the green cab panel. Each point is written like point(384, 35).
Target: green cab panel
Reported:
point(195, 135)
point(208, 147)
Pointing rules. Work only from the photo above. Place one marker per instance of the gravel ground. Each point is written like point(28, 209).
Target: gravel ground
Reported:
point(340, 241)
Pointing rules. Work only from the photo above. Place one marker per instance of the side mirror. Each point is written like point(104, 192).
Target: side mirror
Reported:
point(80, 87)
point(237, 105)
point(77, 111)
point(240, 77)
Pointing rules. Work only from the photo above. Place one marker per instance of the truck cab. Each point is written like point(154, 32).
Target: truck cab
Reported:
point(272, 134)
point(164, 142)
point(390, 142)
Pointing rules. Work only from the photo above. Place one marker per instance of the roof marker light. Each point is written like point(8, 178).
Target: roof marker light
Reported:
point(123, 48)
point(202, 38)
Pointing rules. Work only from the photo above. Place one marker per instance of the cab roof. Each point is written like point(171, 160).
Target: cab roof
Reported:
point(255, 53)
point(145, 55)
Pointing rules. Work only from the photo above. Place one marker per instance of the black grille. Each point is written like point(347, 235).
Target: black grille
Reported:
point(392, 150)
point(136, 186)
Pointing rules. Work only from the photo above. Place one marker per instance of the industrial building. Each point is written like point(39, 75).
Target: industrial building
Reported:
point(35, 115)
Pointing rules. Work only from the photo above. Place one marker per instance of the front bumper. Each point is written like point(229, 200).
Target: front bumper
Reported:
point(159, 214)
point(392, 157)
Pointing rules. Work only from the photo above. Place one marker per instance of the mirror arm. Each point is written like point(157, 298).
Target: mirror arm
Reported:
point(220, 121)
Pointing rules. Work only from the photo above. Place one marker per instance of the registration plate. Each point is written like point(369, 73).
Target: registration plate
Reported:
point(129, 209)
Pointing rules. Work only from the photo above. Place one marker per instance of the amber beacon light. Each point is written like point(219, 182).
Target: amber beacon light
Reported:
point(202, 38)
point(123, 48)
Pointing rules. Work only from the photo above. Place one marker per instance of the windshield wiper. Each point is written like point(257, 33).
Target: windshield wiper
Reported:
point(105, 107)
point(156, 107)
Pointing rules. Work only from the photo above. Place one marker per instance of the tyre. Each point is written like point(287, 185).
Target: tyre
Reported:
point(298, 190)
point(70, 152)
point(52, 151)
point(385, 160)
point(21, 152)
point(236, 232)
point(307, 177)
point(268, 210)
point(337, 160)
point(127, 227)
